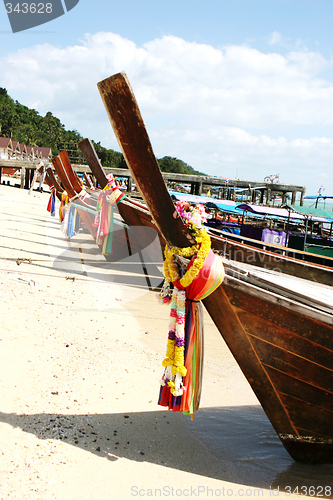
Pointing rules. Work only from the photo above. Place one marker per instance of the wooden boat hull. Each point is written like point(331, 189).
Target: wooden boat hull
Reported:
point(133, 212)
point(51, 181)
point(269, 259)
point(287, 358)
point(9, 170)
point(283, 347)
point(127, 241)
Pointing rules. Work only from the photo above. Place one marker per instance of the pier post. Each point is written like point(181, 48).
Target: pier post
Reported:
point(301, 200)
point(261, 201)
point(27, 178)
point(293, 197)
point(196, 188)
point(22, 177)
point(268, 196)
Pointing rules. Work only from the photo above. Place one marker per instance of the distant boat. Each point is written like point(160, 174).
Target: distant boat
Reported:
point(235, 240)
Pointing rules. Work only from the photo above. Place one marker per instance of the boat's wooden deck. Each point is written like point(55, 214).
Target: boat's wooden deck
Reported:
point(305, 291)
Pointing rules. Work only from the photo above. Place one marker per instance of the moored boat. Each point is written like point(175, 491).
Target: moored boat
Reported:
point(125, 239)
point(283, 346)
point(299, 262)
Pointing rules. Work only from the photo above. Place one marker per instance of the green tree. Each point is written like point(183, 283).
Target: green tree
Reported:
point(174, 165)
point(27, 126)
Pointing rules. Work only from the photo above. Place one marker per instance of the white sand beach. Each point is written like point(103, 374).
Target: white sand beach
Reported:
point(81, 345)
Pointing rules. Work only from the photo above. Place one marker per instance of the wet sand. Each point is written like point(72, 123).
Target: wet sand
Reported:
point(81, 346)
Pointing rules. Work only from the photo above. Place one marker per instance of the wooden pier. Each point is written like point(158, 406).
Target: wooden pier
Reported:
point(225, 188)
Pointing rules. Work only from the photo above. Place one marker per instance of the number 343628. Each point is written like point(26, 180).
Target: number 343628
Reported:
point(32, 8)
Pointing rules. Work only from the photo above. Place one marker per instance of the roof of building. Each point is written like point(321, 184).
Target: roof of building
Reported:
point(15, 145)
point(290, 212)
point(5, 142)
point(46, 152)
point(30, 149)
point(38, 152)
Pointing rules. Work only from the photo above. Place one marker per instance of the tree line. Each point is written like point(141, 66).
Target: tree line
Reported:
point(27, 126)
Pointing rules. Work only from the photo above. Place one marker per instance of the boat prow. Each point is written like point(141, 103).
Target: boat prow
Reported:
point(284, 347)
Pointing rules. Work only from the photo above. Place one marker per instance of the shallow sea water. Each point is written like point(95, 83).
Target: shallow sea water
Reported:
point(245, 442)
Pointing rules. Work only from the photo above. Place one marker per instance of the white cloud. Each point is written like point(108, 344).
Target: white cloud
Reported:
point(205, 105)
point(275, 38)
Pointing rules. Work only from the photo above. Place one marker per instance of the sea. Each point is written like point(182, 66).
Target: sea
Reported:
point(322, 203)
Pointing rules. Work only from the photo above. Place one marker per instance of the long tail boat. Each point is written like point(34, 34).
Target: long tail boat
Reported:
point(128, 239)
point(51, 181)
point(132, 211)
point(266, 256)
point(261, 253)
point(283, 347)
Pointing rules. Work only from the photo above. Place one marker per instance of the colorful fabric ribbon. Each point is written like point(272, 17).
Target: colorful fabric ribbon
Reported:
point(63, 206)
point(181, 382)
point(74, 222)
point(51, 203)
point(108, 197)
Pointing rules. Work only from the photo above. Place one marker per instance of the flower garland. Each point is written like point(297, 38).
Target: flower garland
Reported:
point(176, 343)
point(174, 362)
point(192, 216)
point(198, 251)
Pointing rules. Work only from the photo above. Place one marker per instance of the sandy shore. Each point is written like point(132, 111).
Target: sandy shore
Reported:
point(80, 363)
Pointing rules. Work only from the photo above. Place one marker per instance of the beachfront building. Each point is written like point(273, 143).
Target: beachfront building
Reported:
point(10, 150)
point(15, 153)
point(23, 152)
point(31, 153)
point(6, 148)
point(45, 153)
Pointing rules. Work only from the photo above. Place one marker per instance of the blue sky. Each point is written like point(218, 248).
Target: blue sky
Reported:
point(240, 88)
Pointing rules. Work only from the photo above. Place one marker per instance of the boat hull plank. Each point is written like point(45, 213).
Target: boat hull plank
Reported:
point(309, 419)
point(286, 340)
point(299, 377)
point(298, 390)
point(295, 366)
point(282, 318)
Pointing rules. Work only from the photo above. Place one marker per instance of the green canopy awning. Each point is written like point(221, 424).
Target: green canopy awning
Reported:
point(311, 212)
